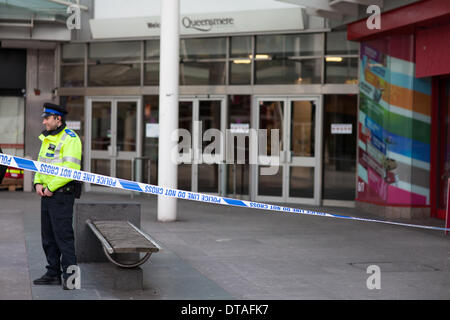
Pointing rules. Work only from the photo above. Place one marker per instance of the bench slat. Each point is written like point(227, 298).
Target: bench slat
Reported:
point(123, 238)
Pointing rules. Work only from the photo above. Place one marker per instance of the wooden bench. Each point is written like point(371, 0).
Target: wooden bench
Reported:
point(123, 237)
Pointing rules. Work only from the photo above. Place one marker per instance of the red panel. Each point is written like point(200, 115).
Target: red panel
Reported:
point(402, 47)
point(399, 46)
point(432, 51)
point(434, 146)
point(418, 13)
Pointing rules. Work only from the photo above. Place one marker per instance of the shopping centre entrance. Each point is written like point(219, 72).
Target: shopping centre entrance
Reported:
point(113, 137)
point(306, 164)
point(197, 115)
point(298, 160)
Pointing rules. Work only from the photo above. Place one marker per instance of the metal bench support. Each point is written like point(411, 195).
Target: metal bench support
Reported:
point(109, 249)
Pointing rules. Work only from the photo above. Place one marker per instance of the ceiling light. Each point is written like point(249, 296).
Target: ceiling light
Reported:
point(333, 59)
point(242, 61)
point(261, 57)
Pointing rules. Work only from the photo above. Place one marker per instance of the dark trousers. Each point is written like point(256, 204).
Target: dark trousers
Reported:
point(57, 233)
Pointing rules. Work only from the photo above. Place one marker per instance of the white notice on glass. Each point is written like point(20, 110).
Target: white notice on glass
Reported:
point(239, 127)
point(152, 130)
point(341, 128)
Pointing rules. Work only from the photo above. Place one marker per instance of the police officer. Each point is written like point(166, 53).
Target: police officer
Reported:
point(60, 147)
point(2, 170)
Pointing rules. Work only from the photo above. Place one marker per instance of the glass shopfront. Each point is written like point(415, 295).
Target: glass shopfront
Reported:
point(291, 166)
point(339, 147)
point(296, 83)
point(149, 160)
point(237, 60)
point(241, 65)
point(288, 59)
point(341, 59)
point(114, 136)
point(114, 64)
point(72, 65)
point(198, 116)
point(203, 61)
point(238, 172)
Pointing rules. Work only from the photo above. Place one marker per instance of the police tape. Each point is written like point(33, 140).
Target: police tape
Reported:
point(112, 182)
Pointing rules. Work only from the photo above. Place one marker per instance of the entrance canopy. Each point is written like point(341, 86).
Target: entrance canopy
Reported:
point(35, 19)
point(35, 10)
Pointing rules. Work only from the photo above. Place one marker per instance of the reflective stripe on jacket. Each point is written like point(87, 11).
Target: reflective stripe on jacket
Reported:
point(62, 149)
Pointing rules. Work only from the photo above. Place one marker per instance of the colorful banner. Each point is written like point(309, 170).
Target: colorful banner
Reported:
point(393, 130)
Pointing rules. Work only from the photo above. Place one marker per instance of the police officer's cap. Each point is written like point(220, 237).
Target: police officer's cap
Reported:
point(53, 109)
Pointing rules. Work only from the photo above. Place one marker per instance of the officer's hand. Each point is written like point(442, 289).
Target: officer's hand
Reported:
point(47, 193)
point(39, 190)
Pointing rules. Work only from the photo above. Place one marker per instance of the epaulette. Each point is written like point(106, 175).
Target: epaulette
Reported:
point(70, 133)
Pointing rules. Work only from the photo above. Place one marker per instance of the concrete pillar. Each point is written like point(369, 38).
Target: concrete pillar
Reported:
point(41, 66)
point(168, 105)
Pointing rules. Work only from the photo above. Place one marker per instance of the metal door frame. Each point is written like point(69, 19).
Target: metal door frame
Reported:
point(88, 127)
point(315, 161)
point(196, 139)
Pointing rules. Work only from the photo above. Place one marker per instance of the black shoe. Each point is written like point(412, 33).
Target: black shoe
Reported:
point(48, 280)
point(64, 285)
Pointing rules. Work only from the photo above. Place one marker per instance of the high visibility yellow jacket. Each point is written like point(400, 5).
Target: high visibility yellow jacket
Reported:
point(61, 149)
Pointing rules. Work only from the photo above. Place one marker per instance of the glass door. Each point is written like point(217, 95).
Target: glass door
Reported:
point(201, 117)
point(115, 140)
point(126, 138)
point(185, 122)
point(289, 169)
point(101, 137)
point(270, 148)
point(301, 160)
point(339, 149)
point(210, 118)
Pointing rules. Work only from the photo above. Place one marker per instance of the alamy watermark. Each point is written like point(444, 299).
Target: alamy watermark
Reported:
point(374, 20)
point(74, 280)
point(373, 281)
point(74, 20)
point(222, 147)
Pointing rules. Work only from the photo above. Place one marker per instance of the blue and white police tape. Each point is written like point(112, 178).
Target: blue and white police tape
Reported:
point(88, 177)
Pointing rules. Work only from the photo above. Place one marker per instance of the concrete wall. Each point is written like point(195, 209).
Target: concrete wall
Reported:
point(389, 212)
point(40, 75)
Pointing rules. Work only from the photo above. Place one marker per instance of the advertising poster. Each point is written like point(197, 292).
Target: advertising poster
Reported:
point(393, 131)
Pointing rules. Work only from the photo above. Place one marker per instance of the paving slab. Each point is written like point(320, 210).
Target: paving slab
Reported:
point(14, 275)
point(220, 252)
